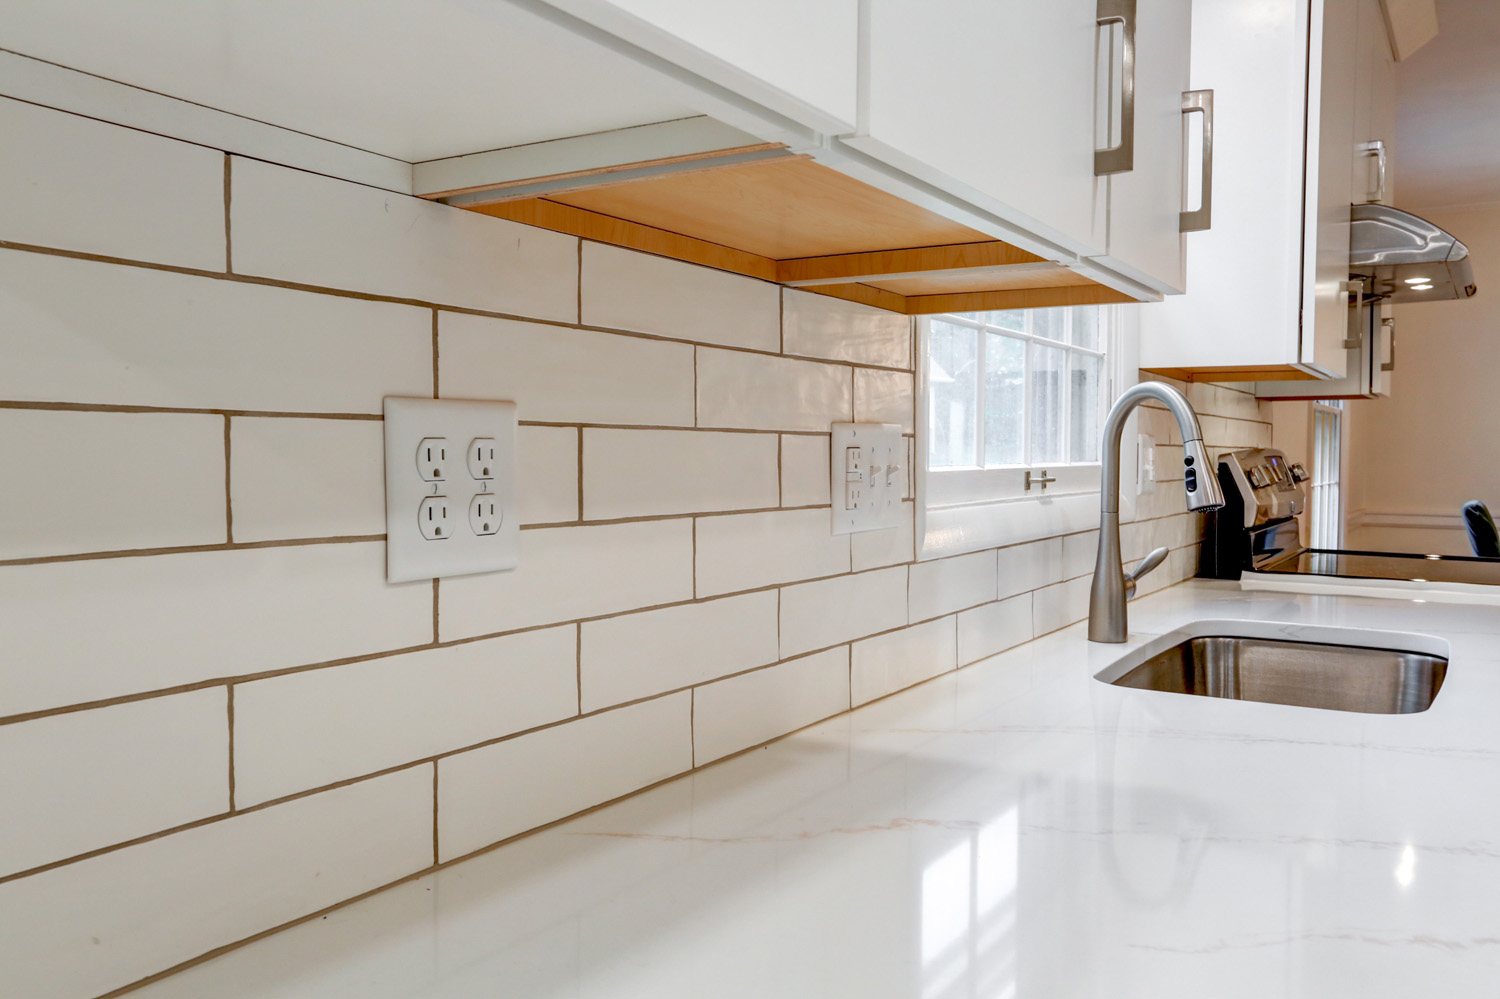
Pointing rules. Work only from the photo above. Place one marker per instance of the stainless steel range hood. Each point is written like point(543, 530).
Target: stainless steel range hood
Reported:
point(1404, 258)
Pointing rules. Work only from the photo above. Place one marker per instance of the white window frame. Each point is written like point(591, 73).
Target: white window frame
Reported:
point(969, 509)
point(1325, 493)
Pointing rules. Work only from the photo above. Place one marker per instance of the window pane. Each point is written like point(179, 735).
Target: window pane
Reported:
point(953, 373)
point(1049, 323)
point(1086, 327)
point(1083, 408)
point(1004, 399)
point(1047, 365)
point(1009, 319)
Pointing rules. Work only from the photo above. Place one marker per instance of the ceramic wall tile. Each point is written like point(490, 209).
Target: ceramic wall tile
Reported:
point(547, 474)
point(495, 792)
point(888, 663)
point(946, 585)
point(85, 780)
point(829, 612)
point(747, 550)
point(641, 473)
point(1029, 566)
point(86, 185)
point(889, 546)
point(91, 482)
point(742, 711)
point(568, 573)
point(308, 229)
point(318, 727)
point(804, 470)
point(636, 655)
point(89, 332)
point(756, 392)
point(636, 291)
point(816, 325)
point(557, 375)
point(306, 478)
point(152, 619)
point(884, 397)
point(99, 924)
point(984, 631)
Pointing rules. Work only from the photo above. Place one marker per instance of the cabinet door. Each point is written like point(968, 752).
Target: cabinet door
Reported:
point(1331, 117)
point(994, 103)
point(798, 58)
point(1145, 241)
point(1374, 108)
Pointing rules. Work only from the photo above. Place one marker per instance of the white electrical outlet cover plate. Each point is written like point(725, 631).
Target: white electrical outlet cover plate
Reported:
point(408, 422)
point(879, 482)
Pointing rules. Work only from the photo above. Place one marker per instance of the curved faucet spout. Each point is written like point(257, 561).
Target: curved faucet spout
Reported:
point(1107, 619)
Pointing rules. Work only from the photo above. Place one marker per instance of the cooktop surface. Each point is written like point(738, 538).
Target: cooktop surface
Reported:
point(1389, 565)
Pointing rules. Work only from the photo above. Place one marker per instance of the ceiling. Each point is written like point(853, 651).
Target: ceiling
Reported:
point(412, 79)
point(1448, 112)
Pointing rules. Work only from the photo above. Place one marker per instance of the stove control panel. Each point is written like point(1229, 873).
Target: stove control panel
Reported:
point(1270, 486)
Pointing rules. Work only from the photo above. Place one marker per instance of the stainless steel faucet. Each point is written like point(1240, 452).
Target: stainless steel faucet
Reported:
point(1112, 586)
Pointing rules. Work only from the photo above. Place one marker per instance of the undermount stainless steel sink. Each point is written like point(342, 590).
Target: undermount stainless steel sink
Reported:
point(1305, 674)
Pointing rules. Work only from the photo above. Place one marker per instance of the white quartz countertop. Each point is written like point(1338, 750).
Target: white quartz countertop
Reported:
point(1017, 828)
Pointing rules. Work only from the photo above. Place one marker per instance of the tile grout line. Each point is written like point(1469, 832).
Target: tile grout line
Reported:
point(578, 665)
point(228, 197)
point(435, 366)
point(228, 490)
point(579, 515)
point(435, 813)
point(229, 699)
point(436, 612)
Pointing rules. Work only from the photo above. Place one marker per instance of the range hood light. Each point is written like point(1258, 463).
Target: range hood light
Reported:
point(1403, 258)
point(1421, 287)
point(1419, 280)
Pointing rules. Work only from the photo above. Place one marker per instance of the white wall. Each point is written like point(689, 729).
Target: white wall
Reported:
point(1417, 456)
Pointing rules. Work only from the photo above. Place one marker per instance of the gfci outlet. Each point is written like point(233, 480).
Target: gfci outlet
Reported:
point(868, 476)
point(450, 488)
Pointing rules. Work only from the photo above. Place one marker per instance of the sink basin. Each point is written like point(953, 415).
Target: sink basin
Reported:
point(1304, 674)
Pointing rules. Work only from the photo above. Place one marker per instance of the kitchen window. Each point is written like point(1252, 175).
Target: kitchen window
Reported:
point(1005, 393)
point(1328, 448)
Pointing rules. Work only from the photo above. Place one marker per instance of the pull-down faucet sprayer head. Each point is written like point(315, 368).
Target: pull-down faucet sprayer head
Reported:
point(1199, 478)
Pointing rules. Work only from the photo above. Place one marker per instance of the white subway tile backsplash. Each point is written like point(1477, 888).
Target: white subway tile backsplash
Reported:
point(1029, 566)
point(637, 655)
point(890, 546)
point(884, 397)
point(498, 791)
point(1078, 553)
point(89, 482)
point(547, 474)
point(80, 184)
point(1060, 605)
point(568, 573)
point(81, 781)
point(558, 375)
point(888, 663)
point(99, 924)
point(308, 229)
point(756, 392)
point(306, 478)
point(822, 326)
point(305, 730)
point(984, 631)
point(626, 290)
point(829, 612)
point(804, 470)
point(638, 473)
point(742, 711)
point(747, 550)
point(946, 585)
point(88, 630)
point(89, 332)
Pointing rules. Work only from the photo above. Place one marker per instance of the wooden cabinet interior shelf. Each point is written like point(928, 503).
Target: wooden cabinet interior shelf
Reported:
point(788, 219)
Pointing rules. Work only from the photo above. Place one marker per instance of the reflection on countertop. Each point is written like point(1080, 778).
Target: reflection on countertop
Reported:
point(1016, 828)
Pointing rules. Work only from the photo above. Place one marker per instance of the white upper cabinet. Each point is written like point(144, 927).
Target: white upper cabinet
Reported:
point(797, 58)
point(1145, 203)
point(1004, 104)
point(1267, 286)
point(995, 103)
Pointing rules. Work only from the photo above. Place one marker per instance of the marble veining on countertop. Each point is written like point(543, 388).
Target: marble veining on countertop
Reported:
point(1016, 828)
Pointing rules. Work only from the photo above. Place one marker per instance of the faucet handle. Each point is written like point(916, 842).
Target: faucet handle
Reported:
point(1145, 565)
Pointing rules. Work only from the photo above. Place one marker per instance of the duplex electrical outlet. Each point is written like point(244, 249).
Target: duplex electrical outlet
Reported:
point(868, 476)
point(450, 489)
